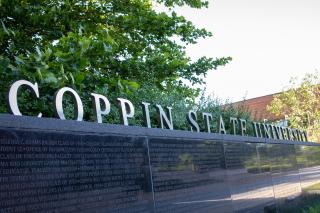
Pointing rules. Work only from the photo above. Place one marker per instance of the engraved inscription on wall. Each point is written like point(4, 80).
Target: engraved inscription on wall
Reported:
point(68, 173)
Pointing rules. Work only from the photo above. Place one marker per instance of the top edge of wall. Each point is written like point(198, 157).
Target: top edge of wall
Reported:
point(52, 124)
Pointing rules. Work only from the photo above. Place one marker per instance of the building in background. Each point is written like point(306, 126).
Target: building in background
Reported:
point(258, 109)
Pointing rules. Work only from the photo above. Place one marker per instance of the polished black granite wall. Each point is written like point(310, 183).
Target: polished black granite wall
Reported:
point(48, 165)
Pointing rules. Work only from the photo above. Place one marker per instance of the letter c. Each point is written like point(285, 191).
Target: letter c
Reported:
point(13, 95)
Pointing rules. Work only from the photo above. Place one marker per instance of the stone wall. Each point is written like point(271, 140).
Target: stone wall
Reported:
point(49, 165)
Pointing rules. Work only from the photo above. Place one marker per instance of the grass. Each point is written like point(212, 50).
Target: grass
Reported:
point(313, 187)
point(313, 209)
point(304, 204)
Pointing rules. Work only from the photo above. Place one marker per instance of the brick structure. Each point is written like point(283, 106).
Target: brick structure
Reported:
point(258, 107)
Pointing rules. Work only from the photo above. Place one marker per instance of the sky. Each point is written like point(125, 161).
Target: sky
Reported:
point(270, 41)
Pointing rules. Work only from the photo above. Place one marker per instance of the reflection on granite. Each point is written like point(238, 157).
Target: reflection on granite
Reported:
point(285, 173)
point(308, 159)
point(189, 176)
point(48, 171)
point(251, 187)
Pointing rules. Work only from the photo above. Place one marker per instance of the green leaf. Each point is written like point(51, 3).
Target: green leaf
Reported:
point(39, 73)
point(61, 69)
point(120, 86)
point(47, 53)
point(72, 78)
point(80, 77)
point(19, 60)
point(134, 85)
point(50, 78)
point(84, 44)
point(4, 28)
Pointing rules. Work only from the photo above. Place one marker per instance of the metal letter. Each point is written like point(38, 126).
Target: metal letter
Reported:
point(257, 126)
point(266, 129)
point(243, 126)
point(78, 112)
point(162, 116)
point(298, 135)
point(96, 101)
point(234, 122)
point(289, 134)
point(146, 114)
point(284, 133)
point(302, 138)
point(126, 110)
point(277, 132)
point(192, 119)
point(222, 129)
point(305, 134)
point(13, 95)
point(208, 118)
point(273, 131)
point(294, 136)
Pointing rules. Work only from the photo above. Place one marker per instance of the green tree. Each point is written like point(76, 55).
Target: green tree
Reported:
point(300, 103)
point(115, 48)
point(217, 107)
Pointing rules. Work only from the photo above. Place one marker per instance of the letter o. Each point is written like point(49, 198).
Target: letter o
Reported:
point(78, 113)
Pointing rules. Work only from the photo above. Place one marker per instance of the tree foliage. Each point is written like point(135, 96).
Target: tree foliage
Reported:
point(218, 108)
point(301, 104)
point(111, 47)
